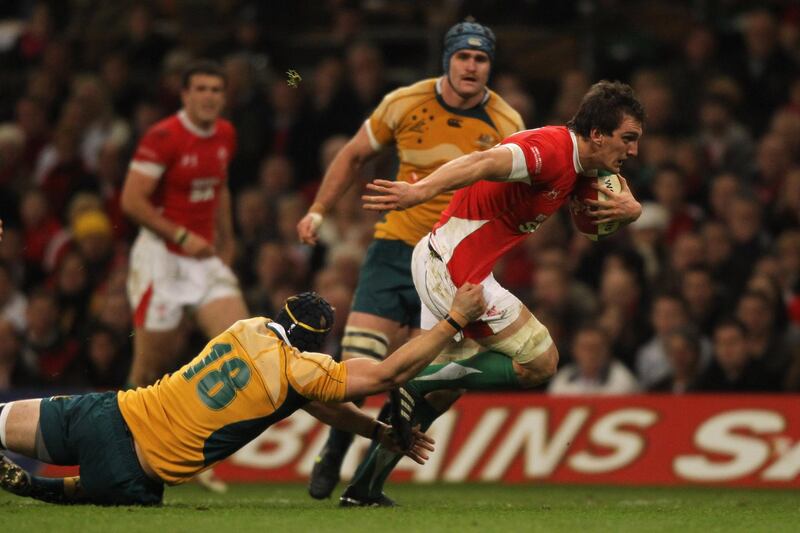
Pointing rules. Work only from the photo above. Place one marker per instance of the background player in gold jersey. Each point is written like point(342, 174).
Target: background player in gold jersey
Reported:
point(129, 444)
point(430, 122)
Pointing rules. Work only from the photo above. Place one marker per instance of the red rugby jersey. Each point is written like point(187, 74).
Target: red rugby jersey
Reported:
point(192, 166)
point(486, 219)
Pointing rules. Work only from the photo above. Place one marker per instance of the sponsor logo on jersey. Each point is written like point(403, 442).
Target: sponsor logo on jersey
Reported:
point(552, 194)
point(454, 122)
point(486, 141)
point(532, 225)
point(537, 157)
point(419, 127)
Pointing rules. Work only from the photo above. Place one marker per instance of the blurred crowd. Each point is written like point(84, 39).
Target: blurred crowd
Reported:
point(702, 293)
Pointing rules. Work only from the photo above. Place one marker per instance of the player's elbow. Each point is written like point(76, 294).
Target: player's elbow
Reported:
point(382, 380)
point(484, 165)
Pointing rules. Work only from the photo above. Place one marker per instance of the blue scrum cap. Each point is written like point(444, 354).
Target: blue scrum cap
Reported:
point(467, 36)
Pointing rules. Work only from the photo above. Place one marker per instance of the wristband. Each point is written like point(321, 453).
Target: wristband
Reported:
point(453, 323)
point(180, 236)
point(318, 208)
point(316, 219)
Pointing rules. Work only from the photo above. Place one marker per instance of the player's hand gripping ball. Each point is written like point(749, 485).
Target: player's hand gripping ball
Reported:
point(581, 211)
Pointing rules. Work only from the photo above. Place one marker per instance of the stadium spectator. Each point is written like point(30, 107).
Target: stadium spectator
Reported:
point(669, 190)
point(273, 272)
point(667, 313)
point(732, 369)
point(765, 342)
point(683, 350)
point(704, 302)
point(47, 352)
point(595, 370)
point(726, 143)
point(647, 239)
point(72, 288)
point(763, 69)
point(12, 300)
point(106, 359)
point(12, 371)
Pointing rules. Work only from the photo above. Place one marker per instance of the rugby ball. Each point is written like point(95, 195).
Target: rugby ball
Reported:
point(580, 210)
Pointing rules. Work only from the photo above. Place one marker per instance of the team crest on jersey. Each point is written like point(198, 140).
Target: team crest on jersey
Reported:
point(222, 154)
point(552, 194)
point(486, 141)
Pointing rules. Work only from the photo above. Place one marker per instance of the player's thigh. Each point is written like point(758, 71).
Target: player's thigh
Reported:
point(385, 287)
point(21, 424)
point(385, 302)
point(217, 315)
point(89, 430)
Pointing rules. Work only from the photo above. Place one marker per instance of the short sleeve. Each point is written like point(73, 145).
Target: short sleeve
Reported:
point(317, 376)
point(532, 150)
point(383, 122)
point(519, 167)
point(153, 154)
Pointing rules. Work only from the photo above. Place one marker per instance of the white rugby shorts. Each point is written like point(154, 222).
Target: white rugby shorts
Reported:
point(436, 291)
point(161, 283)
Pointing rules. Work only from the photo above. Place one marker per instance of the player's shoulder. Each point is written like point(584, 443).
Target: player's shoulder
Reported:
point(545, 135)
point(165, 128)
point(411, 94)
point(225, 127)
point(502, 110)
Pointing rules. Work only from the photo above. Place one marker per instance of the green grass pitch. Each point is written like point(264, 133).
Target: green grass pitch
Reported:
point(481, 508)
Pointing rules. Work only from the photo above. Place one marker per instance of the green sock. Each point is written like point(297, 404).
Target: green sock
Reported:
point(373, 471)
point(483, 371)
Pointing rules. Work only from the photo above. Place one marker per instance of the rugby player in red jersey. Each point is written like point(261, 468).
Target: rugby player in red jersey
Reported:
point(176, 191)
point(504, 194)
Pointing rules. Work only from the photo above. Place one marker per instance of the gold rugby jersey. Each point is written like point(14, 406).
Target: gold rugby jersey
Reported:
point(429, 133)
point(244, 380)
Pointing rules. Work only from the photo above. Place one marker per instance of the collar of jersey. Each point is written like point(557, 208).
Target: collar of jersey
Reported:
point(478, 112)
point(189, 125)
point(439, 94)
point(576, 160)
point(279, 331)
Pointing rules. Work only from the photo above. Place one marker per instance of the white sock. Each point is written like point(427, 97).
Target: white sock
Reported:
point(5, 408)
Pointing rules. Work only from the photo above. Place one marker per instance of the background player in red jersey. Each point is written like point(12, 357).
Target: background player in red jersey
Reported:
point(176, 190)
point(505, 193)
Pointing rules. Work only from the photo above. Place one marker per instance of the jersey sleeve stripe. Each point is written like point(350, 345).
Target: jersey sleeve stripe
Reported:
point(148, 168)
point(519, 168)
point(372, 140)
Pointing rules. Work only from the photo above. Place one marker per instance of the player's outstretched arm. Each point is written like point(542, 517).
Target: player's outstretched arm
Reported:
point(620, 207)
point(344, 168)
point(366, 376)
point(347, 417)
point(465, 170)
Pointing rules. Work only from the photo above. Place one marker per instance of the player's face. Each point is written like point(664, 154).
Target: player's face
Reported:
point(469, 72)
point(621, 144)
point(204, 99)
